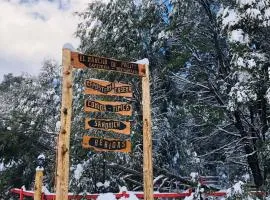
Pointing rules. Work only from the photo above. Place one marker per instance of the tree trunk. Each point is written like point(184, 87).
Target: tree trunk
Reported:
point(252, 156)
point(253, 163)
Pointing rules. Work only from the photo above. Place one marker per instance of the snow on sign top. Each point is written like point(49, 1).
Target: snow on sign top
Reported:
point(144, 61)
point(69, 46)
point(79, 60)
point(41, 156)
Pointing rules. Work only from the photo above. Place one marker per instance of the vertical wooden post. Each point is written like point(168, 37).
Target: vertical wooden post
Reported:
point(38, 183)
point(147, 137)
point(62, 171)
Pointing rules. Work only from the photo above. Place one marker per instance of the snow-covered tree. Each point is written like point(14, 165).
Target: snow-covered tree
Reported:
point(30, 110)
point(225, 78)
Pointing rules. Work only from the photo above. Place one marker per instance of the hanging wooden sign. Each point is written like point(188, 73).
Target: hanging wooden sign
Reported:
point(81, 61)
point(100, 87)
point(122, 127)
point(121, 108)
point(106, 144)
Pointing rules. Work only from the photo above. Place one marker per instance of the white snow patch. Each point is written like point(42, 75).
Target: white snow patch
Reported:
point(41, 156)
point(9, 128)
point(107, 184)
point(57, 126)
point(123, 189)
point(191, 197)
point(99, 184)
point(39, 169)
point(238, 36)
point(253, 13)
point(194, 176)
point(45, 190)
point(251, 63)
point(144, 61)
point(137, 2)
point(246, 177)
point(162, 34)
point(2, 167)
point(230, 17)
point(235, 189)
point(106, 196)
point(267, 13)
point(23, 188)
point(69, 46)
point(243, 3)
point(175, 158)
point(240, 62)
point(78, 171)
point(243, 76)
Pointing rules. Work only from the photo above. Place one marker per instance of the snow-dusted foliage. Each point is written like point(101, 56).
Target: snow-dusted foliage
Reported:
point(225, 79)
point(209, 63)
point(27, 126)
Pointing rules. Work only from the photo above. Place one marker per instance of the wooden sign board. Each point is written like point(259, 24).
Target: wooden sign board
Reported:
point(105, 144)
point(122, 127)
point(100, 87)
point(87, 61)
point(121, 108)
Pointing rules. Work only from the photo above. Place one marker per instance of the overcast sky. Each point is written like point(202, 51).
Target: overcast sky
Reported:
point(33, 30)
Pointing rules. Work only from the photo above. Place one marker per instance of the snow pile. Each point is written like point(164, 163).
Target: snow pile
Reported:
point(144, 61)
point(110, 196)
point(106, 196)
point(236, 189)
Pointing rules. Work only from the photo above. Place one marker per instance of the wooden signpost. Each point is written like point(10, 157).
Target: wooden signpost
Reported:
point(38, 183)
point(115, 126)
point(79, 60)
point(106, 144)
point(121, 108)
point(62, 171)
point(100, 87)
point(147, 138)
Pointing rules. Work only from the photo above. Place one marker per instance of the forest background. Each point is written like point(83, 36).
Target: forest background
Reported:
point(209, 62)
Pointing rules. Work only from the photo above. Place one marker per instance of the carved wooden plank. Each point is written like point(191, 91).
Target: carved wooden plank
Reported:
point(106, 144)
point(79, 60)
point(100, 87)
point(122, 127)
point(121, 108)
